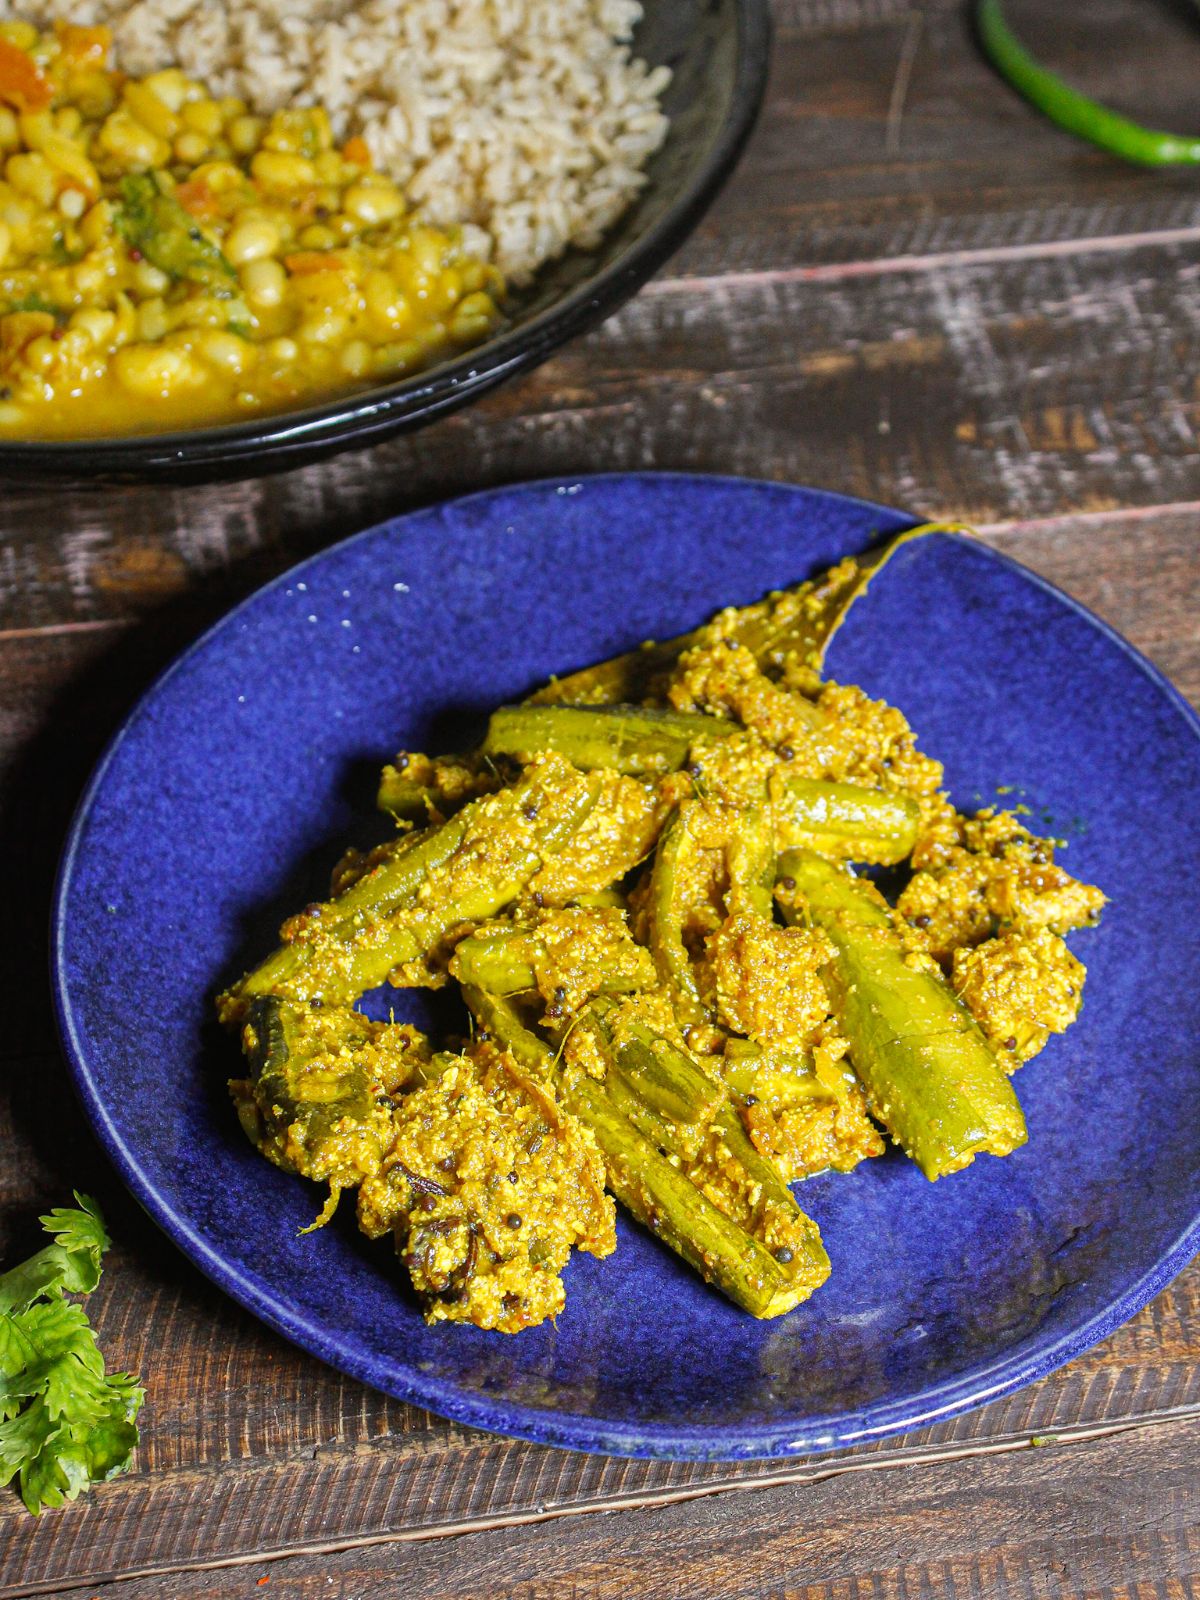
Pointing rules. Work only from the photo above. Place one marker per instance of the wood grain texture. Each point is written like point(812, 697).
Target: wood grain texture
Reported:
point(989, 319)
point(1059, 1523)
point(842, 169)
point(1019, 388)
point(916, 291)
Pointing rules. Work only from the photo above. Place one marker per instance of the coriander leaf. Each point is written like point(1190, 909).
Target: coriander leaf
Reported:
point(49, 1477)
point(67, 1368)
point(43, 1273)
point(64, 1422)
point(108, 1445)
point(24, 1437)
point(154, 222)
point(72, 1262)
point(81, 1234)
point(16, 1351)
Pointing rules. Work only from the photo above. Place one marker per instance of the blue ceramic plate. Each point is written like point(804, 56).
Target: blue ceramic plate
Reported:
point(226, 797)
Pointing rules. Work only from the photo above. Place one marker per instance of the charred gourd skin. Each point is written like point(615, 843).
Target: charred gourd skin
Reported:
point(680, 989)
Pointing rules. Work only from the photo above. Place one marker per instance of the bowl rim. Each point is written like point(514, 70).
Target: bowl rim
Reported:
point(359, 418)
point(571, 1430)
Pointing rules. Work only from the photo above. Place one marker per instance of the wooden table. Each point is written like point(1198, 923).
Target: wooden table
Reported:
point(915, 291)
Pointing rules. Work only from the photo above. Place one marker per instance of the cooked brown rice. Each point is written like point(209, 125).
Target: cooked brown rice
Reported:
point(528, 118)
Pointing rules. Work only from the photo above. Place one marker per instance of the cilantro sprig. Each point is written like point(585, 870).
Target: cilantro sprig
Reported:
point(64, 1422)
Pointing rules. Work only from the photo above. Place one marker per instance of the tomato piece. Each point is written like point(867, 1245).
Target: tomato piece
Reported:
point(23, 85)
point(303, 263)
point(197, 198)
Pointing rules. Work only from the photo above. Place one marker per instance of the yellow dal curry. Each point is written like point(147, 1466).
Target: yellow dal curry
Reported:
point(168, 259)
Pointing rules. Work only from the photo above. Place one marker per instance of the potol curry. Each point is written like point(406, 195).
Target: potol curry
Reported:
point(168, 259)
point(683, 994)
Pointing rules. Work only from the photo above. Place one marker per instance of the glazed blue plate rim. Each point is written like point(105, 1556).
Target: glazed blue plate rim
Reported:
point(560, 1428)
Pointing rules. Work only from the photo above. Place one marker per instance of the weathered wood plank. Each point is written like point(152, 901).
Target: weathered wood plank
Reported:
point(841, 169)
point(410, 1487)
point(1116, 1515)
point(820, 366)
point(1014, 388)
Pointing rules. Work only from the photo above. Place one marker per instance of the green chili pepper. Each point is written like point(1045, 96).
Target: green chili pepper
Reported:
point(1149, 147)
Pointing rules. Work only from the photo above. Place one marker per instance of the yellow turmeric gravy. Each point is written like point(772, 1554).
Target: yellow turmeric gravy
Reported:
point(169, 260)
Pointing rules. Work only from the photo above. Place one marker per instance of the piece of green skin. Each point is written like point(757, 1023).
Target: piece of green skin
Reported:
point(750, 862)
point(845, 819)
point(782, 1078)
point(864, 824)
point(664, 932)
point(501, 960)
point(308, 1078)
point(401, 797)
point(668, 1080)
point(663, 1199)
point(638, 740)
point(930, 1075)
point(805, 636)
point(1086, 118)
point(409, 799)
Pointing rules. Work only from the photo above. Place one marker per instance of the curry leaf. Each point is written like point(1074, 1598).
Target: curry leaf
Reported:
point(154, 222)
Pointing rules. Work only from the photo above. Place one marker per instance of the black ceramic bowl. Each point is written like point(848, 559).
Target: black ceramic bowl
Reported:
point(718, 52)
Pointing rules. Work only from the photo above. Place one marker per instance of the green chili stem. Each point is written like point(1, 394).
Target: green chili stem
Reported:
point(1149, 147)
